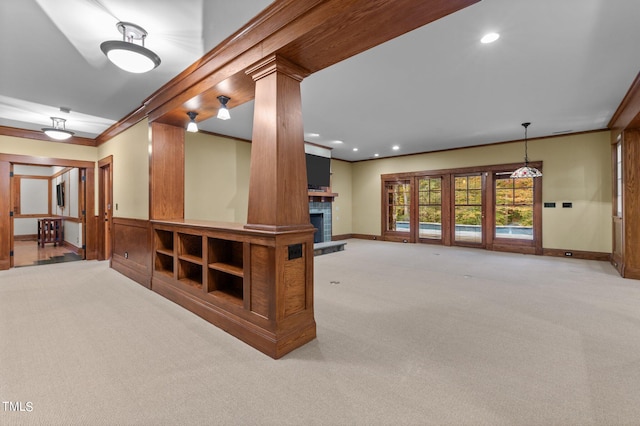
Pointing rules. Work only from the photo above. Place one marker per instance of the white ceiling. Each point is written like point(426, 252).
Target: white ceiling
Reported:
point(564, 65)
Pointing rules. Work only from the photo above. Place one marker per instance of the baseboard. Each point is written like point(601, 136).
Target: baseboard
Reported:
point(341, 237)
point(577, 254)
point(366, 237)
point(71, 247)
point(27, 237)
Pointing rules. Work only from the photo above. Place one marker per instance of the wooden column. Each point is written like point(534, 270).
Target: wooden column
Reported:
point(278, 181)
point(166, 172)
point(630, 232)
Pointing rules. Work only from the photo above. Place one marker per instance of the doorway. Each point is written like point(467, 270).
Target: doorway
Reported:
point(8, 202)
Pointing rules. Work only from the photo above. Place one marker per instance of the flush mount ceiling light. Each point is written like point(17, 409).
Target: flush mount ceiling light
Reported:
point(223, 112)
point(489, 38)
point(126, 54)
point(57, 132)
point(192, 126)
point(526, 171)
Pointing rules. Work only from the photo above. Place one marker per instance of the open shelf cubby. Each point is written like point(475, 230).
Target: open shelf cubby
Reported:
point(226, 286)
point(225, 265)
point(190, 248)
point(164, 241)
point(190, 273)
point(164, 252)
point(164, 263)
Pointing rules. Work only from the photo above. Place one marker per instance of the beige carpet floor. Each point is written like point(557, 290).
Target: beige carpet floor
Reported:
point(407, 334)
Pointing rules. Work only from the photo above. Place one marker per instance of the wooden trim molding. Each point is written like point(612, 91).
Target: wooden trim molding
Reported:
point(38, 135)
point(367, 237)
point(628, 113)
point(341, 237)
point(45, 161)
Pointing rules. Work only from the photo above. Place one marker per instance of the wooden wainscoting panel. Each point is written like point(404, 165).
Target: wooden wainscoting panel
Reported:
point(294, 283)
point(132, 254)
point(262, 280)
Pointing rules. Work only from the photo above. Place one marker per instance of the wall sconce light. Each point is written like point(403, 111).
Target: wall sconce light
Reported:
point(192, 126)
point(126, 54)
point(57, 132)
point(526, 171)
point(223, 112)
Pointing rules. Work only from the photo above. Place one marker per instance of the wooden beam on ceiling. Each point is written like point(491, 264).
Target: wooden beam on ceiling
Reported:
point(312, 34)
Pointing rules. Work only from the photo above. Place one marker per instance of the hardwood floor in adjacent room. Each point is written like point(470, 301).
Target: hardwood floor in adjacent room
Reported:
point(29, 253)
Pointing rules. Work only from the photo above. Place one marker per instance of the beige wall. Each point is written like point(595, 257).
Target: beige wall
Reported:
point(46, 149)
point(341, 183)
point(576, 169)
point(216, 178)
point(130, 150)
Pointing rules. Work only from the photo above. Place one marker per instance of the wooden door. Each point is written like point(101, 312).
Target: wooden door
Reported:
point(105, 197)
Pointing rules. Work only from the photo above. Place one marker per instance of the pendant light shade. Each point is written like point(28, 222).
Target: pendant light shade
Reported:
point(192, 126)
point(126, 54)
point(57, 131)
point(526, 171)
point(223, 112)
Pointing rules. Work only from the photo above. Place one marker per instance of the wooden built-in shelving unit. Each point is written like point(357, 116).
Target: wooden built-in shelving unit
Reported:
point(227, 275)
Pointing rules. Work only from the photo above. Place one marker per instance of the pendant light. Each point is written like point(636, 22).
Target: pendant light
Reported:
point(126, 54)
point(57, 131)
point(223, 112)
point(192, 126)
point(526, 171)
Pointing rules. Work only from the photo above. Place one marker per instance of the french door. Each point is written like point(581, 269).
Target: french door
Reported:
point(476, 207)
point(397, 215)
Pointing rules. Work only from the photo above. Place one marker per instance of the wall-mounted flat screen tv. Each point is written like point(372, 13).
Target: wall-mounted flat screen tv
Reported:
point(60, 194)
point(318, 171)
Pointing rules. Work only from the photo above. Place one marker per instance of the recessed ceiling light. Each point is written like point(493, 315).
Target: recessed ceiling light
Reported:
point(338, 142)
point(312, 135)
point(395, 147)
point(489, 38)
point(355, 149)
point(376, 155)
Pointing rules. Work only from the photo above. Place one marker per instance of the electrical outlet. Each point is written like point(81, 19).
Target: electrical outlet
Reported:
point(295, 251)
point(568, 253)
point(126, 254)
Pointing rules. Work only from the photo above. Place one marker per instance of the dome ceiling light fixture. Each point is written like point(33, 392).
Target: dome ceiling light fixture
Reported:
point(526, 171)
point(57, 132)
point(126, 54)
